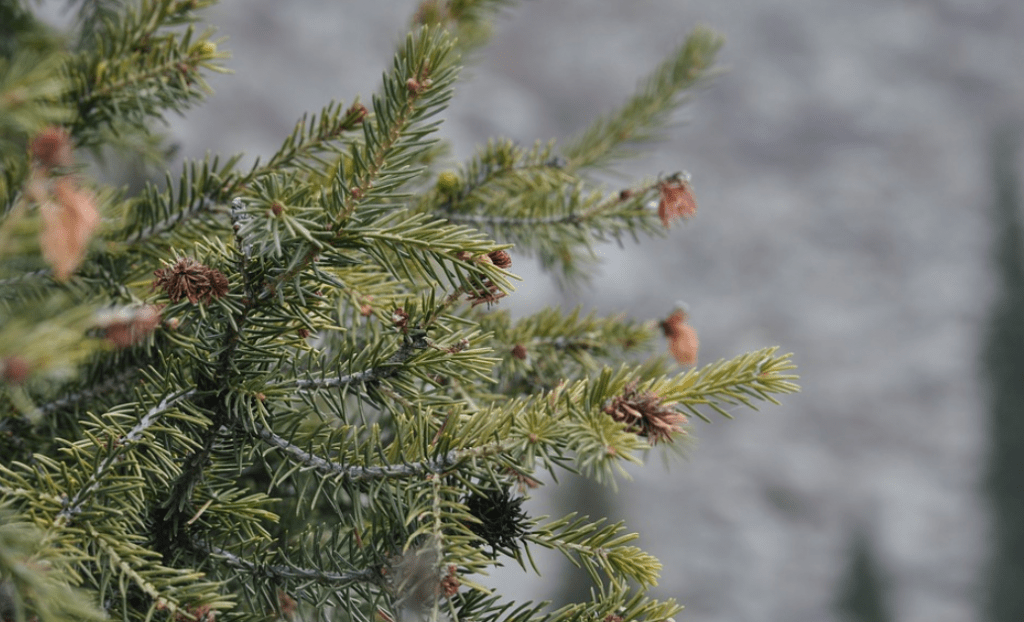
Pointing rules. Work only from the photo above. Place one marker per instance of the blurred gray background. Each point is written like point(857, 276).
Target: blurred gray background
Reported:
point(841, 167)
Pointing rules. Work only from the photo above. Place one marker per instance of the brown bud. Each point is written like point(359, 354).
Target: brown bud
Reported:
point(682, 338)
point(450, 582)
point(677, 200)
point(500, 259)
point(52, 147)
point(358, 112)
point(14, 369)
point(400, 318)
point(458, 346)
point(519, 351)
point(127, 327)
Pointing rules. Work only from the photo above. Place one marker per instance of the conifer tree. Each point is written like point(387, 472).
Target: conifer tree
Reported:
point(286, 390)
point(862, 594)
point(1004, 366)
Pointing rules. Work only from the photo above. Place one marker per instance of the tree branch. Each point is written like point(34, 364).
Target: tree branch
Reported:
point(75, 503)
point(368, 575)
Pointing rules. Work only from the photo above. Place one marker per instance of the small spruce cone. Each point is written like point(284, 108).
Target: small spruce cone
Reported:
point(500, 259)
point(188, 278)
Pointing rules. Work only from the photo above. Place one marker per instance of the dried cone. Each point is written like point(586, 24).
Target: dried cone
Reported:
point(69, 220)
point(644, 414)
point(682, 338)
point(677, 200)
point(500, 259)
point(188, 278)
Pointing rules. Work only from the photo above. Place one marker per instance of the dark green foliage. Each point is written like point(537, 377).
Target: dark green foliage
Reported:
point(501, 521)
point(862, 596)
point(1004, 371)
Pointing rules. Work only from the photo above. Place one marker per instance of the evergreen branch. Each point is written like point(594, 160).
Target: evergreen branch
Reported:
point(95, 390)
point(615, 601)
point(217, 379)
point(387, 369)
point(204, 186)
point(8, 292)
point(202, 189)
point(469, 21)
point(551, 344)
point(358, 473)
point(100, 20)
point(531, 199)
point(135, 73)
point(359, 377)
point(586, 420)
point(554, 217)
point(282, 572)
point(498, 165)
point(418, 88)
point(753, 376)
point(313, 136)
point(31, 90)
point(31, 93)
point(646, 114)
point(29, 566)
point(495, 220)
point(415, 248)
point(597, 547)
point(393, 137)
point(168, 588)
point(74, 505)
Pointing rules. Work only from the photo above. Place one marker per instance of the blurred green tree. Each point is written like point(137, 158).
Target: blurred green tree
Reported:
point(862, 596)
point(1004, 373)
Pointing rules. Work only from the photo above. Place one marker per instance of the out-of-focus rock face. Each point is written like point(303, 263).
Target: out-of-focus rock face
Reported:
point(840, 166)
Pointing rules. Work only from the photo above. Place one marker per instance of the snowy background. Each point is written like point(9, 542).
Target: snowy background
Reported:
point(841, 167)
